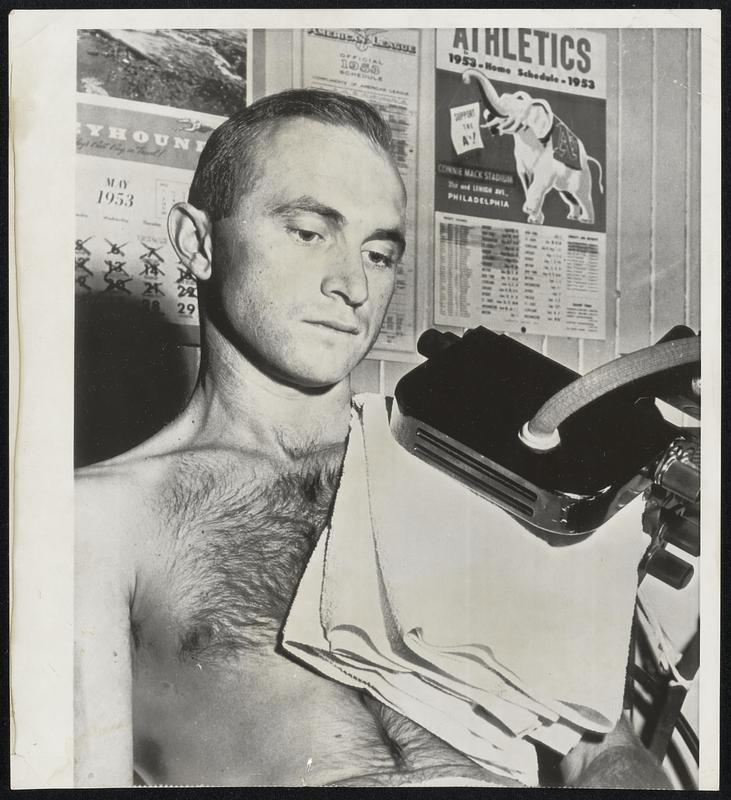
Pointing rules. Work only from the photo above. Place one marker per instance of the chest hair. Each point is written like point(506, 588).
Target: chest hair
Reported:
point(239, 553)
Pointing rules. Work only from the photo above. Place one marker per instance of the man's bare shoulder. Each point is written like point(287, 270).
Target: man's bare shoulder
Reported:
point(150, 486)
point(126, 495)
point(115, 519)
point(118, 488)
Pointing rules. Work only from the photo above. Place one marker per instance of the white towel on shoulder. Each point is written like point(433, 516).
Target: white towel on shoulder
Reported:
point(450, 612)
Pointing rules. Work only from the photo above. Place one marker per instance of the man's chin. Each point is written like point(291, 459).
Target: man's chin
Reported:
point(316, 376)
point(312, 382)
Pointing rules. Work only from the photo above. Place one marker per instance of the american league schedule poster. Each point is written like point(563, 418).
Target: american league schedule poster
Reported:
point(520, 207)
point(379, 66)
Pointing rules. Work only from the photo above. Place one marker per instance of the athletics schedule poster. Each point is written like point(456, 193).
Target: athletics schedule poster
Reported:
point(381, 67)
point(520, 212)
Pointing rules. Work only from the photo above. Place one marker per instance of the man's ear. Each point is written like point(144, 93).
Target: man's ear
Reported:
point(189, 230)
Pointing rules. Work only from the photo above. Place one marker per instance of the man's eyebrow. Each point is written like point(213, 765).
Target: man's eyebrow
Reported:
point(390, 235)
point(309, 205)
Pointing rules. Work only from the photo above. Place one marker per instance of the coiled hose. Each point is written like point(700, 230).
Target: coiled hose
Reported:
point(541, 432)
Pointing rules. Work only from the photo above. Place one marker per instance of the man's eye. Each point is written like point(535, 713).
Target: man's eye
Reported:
point(378, 259)
point(304, 236)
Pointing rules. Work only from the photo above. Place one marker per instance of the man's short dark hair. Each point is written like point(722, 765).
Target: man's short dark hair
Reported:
point(227, 166)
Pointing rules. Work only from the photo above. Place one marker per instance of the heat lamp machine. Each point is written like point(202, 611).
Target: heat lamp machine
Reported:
point(560, 452)
point(563, 453)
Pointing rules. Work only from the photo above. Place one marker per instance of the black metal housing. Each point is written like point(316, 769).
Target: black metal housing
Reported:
point(461, 411)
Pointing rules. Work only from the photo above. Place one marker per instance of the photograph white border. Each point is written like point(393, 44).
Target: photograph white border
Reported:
point(42, 57)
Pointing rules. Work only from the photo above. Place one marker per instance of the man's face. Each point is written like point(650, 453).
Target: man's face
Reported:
point(304, 268)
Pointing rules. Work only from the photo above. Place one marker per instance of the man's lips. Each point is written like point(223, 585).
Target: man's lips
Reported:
point(341, 327)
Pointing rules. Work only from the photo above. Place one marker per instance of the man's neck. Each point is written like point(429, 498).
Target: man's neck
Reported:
point(237, 404)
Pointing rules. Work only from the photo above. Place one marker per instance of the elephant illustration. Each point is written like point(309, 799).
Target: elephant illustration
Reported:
point(548, 154)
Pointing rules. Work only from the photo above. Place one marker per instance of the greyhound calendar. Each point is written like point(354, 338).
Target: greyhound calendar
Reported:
point(147, 102)
point(520, 206)
point(122, 250)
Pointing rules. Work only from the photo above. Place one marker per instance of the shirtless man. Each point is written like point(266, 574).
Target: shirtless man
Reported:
point(190, 547)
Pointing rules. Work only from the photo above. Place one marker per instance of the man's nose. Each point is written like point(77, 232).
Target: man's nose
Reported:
point(346, 277)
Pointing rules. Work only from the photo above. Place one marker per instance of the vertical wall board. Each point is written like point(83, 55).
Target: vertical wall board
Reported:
point(564, 350)
point(365, 377)
point(259, 40)
point(669, 225)
point(635, 188)
point(424, 201)
point(599, 352)
point(393, 372)
point(694, 189)
point(532, 340)
point(425, 160)
point(278, 60)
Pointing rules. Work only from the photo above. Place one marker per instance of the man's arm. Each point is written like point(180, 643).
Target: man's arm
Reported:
point(618, 760)
point(102, 657)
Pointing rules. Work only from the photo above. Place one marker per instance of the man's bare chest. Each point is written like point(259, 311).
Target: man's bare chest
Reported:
point(229, 562)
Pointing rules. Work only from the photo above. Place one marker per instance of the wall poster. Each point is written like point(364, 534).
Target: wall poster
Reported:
point(381, 67)
point(147, 100)
point(520, 211)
